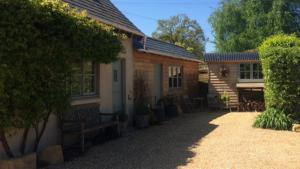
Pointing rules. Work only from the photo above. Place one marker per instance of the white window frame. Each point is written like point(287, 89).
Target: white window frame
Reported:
point(175, 86)
point(251, 73)
point(82, 82)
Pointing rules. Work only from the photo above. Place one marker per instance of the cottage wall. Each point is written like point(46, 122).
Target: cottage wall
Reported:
point(52, 134)
point(145, 63)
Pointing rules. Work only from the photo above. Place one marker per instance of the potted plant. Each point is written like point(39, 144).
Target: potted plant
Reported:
point(142, 116)
point(142, 108)
point(159, 113)
point(169, 106)
point(225, 98)
point(123, 119)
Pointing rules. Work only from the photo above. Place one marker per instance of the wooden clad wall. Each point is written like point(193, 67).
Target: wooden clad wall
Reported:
point(217, 84)
point(145, 62)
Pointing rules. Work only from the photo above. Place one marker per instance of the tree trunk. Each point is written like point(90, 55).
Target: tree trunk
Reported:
point(5, 145)
point(39, 135)
point(24, 139)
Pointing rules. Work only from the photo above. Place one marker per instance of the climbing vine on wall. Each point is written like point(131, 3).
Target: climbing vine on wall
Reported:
point(39, 40)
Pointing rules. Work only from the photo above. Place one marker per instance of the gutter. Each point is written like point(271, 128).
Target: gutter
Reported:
point(169, 55)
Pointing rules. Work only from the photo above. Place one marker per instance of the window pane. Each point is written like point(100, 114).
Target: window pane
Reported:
point(242, 75)
point(76, 85)
point(170, 71)
point(255, 67)
point(76, 68)
point(255, 75)
point(174, 71)
point(247, 75)
point(247, 67)
point(170, 77)
point(170, 82)
point(179, 82)
point(242, 67)
point(88, 68)
point(261, 76)
point(179, 71)
point(89, 84)
point(175, 82)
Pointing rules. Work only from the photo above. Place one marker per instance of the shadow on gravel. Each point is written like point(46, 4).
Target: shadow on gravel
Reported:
point(160, 147)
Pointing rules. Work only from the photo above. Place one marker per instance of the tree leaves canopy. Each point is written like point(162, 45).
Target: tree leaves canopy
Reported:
point(39, 40)
point(182, 31)
point(241, 25)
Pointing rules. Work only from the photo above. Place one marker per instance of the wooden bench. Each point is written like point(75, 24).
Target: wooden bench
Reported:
point(86, 119)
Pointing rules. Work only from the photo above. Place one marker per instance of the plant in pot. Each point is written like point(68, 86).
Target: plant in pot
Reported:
point(142, 110)
point(169, 106)
point(159, 112)
point(225, 98)
point(142, 116)
point(123, 119)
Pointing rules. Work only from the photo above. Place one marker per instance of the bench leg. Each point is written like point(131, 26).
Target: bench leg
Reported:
point(82, 142)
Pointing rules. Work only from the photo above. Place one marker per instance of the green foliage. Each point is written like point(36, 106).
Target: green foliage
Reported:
point(241, 25)
point(39, 39)
point(182, 31)
point(281, 61)
point(273, 119)
point(225, 97)
point(142, 109)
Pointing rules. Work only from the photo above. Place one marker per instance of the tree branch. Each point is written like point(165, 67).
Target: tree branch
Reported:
point(5, 145)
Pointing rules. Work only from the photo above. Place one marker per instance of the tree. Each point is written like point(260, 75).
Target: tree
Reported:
point(39, 41)
point(241, 25)
point(182, 31)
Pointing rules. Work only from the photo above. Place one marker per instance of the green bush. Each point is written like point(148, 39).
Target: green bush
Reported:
point(39, 41)
point(273, 119)
point(280, 56)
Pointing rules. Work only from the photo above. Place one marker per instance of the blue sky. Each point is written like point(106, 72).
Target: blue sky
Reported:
point(145, 13)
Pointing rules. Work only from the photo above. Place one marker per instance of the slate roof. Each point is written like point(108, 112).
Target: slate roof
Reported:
point(159, 46)
point(227, 57)
point(107, 12)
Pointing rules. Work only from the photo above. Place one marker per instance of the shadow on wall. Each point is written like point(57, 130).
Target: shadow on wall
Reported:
point(167, 146)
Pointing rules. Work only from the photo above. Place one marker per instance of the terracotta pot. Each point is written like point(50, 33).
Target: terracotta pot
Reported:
point(51, 155)
point(27, 161)
point(296, 127)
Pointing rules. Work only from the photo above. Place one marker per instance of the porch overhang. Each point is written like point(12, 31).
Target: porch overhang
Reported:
point(250, 85)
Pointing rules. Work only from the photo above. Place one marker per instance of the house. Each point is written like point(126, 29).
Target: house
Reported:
point(107, 85)
point(168, 69)
point(238, 74)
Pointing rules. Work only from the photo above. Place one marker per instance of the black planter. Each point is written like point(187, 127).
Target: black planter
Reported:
point(159, 114)
point(142, 121)
point(171, 111)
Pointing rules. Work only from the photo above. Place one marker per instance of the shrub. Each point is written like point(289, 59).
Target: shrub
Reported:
point(280, 56)
point(273, 119)
point(39, 41)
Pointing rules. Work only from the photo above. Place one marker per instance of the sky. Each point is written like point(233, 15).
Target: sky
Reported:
point(145, 13)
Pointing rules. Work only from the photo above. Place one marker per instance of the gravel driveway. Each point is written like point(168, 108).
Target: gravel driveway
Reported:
point(200, 140)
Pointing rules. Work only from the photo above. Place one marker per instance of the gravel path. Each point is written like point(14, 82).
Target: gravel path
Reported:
point(202, 140)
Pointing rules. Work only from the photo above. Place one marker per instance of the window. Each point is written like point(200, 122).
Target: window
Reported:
point(249, 71)
point(83, 79)
point(175, 76)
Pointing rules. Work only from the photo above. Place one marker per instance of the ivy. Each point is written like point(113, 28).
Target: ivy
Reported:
point(39, 40)
point(280, 57)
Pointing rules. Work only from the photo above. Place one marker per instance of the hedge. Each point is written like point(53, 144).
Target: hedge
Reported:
point(280, 56)
point(39, 41)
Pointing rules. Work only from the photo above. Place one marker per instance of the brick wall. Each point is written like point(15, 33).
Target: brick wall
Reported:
point(145, 62)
